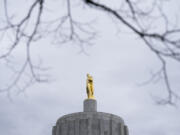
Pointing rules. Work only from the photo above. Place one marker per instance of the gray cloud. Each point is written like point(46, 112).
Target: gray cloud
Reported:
point(117, 64)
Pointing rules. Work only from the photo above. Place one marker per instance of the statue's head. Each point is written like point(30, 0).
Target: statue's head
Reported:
point(89, 77)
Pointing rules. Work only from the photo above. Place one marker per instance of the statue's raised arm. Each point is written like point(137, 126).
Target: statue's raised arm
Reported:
point(90, 87)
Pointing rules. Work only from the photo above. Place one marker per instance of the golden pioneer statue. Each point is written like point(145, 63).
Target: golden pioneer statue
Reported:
point(90, 87)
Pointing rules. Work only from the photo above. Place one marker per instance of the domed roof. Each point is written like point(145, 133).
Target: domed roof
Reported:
point(90, 115)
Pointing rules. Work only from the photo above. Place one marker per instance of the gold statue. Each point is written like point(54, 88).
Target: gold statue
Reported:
point(90, 87)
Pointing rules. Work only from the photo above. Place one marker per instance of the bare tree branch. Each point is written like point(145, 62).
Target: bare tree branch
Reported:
point(66, 28)
point(19, 29)
point(171, 47)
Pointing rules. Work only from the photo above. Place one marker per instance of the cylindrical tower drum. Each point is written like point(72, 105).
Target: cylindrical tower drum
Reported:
point(90, 122)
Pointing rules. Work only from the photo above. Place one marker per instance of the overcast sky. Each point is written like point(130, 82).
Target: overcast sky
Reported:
point(118, 64)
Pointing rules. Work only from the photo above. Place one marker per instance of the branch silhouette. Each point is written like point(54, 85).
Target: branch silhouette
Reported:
point(171, 47)
point(65, 28)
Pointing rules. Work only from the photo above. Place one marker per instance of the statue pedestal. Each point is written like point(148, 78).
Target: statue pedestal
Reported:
point(90, 105)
